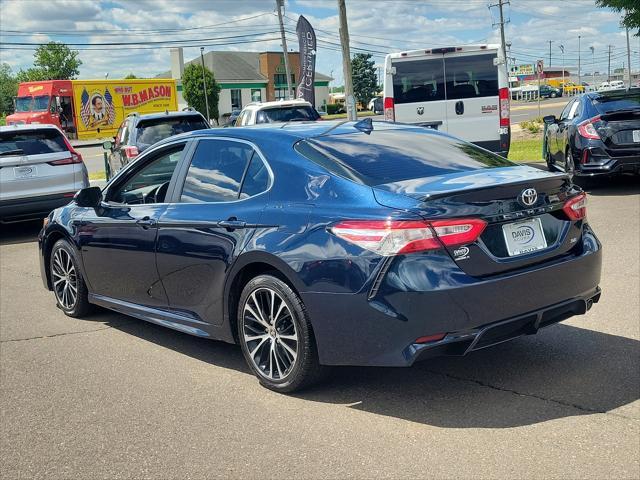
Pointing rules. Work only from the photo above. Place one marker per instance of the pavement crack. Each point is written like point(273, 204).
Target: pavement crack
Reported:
point(64, 334)
point(533, 395)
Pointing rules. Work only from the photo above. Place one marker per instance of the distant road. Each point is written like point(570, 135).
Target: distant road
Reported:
point(522, 111)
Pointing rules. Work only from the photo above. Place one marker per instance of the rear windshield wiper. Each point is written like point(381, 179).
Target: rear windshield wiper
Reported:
point(17, 151)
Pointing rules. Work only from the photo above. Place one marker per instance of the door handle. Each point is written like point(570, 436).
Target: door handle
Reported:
point(459, 107)
point(232, 224)
point(146, 222)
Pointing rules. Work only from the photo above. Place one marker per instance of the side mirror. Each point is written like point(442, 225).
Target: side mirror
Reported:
point(549, 119)
point(107, 145)
point(88, 197)
point(53, 109)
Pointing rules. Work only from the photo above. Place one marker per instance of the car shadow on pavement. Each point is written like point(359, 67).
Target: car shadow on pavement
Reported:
point(19, 232)
point(563, 371)
point(614, 186)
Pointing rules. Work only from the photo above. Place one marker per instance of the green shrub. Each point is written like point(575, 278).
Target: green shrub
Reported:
point(333, 108)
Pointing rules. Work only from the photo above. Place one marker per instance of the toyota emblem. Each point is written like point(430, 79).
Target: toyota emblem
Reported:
point(528, 197)
point(420, 110)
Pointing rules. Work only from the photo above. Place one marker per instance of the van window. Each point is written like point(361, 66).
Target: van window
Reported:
point(471, 76)
point(418, 81)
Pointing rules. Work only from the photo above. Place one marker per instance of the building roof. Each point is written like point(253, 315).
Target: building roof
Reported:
point(230, 67)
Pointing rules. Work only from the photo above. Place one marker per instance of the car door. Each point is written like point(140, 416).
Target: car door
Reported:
point(118, 240)
point(472, 98)
point(215, 214)
point(554, 134)
point(564, 129)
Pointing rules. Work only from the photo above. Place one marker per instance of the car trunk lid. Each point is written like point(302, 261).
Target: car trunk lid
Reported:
point(516, 202)
point(620, 129)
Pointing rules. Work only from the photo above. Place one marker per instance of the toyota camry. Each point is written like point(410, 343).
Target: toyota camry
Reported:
point(332, 243)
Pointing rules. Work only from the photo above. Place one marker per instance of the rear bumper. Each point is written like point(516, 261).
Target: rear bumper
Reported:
point(22, 209)
point(428, 295)
point(602, 163)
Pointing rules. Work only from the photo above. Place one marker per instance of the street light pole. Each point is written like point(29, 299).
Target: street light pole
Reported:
point(280, 4)
point(352, 111)
point(562, 50)
point(579, 78)
point(593, 64)
point(550, 42)
point(204, 86)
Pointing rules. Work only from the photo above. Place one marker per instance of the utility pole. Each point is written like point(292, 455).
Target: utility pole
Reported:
point(280, 5)
point(550, 42)
point(204, 83)
point(593, 64)
point(609, 65)
point(579, 78)
point(352, 111)
point(562, 50)
point(628, 62)
point(503, 43)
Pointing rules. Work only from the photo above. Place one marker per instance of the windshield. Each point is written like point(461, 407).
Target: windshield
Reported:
point(32, 143)
point(32, 104)
point(392, 155)
point(287, 114)
point(618, 101)
point(152, 131)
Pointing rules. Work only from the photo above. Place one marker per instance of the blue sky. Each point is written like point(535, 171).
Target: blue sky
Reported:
point(376, 26)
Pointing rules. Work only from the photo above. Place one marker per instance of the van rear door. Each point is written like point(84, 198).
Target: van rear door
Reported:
point(419, 91)
point(472, 106)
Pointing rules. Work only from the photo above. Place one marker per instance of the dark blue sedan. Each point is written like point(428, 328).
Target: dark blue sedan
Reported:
point(329, 243)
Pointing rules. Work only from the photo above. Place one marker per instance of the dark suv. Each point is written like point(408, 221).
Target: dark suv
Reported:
point(139, 132)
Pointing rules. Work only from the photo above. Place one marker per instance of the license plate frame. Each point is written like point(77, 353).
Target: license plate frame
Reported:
point(524, 236)
point(28, 171)
point(636, 136)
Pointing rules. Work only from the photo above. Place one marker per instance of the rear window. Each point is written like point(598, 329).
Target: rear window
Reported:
point(453, 78)
point(388, 155)
point(32, 143)
point(621, 101)
point(287, 114)
point(152, 131)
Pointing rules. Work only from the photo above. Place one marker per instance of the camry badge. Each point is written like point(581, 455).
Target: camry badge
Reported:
point(528, 197)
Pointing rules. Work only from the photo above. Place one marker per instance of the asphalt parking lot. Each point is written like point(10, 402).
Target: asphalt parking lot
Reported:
point(114, 397)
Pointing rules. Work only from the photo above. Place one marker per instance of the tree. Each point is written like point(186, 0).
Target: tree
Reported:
point(56, 61)
point(192, 89)
point(365, 82)
point(130, 76)
point(31, 75)
point(8, 89)
point(630, 9)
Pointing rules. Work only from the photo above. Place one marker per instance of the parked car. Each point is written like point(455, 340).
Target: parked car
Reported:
point(549, 92)
point(612, 85)
point(39, 171)
point(328, 243)
point(139, 132)
point(458, 90)
point(277, 112)
point(597, 133)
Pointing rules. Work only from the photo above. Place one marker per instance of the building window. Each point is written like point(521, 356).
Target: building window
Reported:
point(256, 95)
point(281, 94)
point(236, 99)
point(281, 78)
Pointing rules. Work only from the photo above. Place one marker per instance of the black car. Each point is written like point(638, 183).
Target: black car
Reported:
point(549, 92)
point(139, 132)
point(597, 133)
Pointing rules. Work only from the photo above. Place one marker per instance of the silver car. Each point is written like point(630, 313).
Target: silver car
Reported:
point(39, 171)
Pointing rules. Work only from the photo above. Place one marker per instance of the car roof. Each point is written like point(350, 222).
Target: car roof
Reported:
point(28, 126)
point(613, 93)
point(278, 103)
point(294, 131)
point(166, 114)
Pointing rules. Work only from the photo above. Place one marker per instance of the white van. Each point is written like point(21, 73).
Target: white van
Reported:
point(459, 90)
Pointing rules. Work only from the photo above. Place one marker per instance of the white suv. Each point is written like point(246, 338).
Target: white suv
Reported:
point(277, 112)
point(39, 171)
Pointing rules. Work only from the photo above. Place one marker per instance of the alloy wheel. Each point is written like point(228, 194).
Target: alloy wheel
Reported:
point(65, 279)
point(270, 334)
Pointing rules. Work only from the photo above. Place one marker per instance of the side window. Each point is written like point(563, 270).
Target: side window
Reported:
point(256, 180)
point(418, 81)
point(565, 111)
point(124, 138)
point(471, 76)
point(148, 184)
point(118, 138)
point(574, 109)
point(216, 171)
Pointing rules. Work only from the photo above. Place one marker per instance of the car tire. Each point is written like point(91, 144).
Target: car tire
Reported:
point(569, 164)
point(67, 282)
point(553, 95)
point(276, 337)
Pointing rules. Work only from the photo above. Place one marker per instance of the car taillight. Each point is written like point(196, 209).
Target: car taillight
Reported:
point(131, 152)
point(586, 129)
point(75, 156)
point(503, 94)
point(389, 109)
point(392, 237)
point(576, 208)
